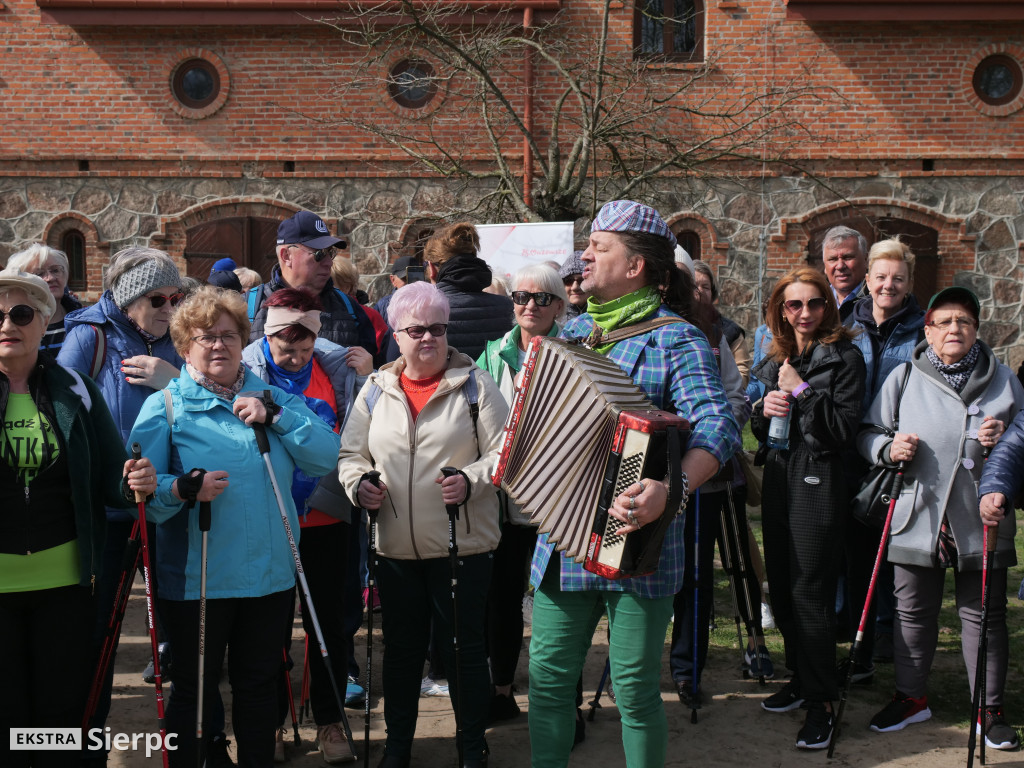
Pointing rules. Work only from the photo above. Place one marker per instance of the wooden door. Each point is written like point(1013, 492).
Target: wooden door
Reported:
point(249, 240)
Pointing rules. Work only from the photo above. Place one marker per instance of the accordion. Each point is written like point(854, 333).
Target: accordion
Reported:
point(579, 433)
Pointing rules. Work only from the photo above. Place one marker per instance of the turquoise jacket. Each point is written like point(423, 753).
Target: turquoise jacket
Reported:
point(249, 555)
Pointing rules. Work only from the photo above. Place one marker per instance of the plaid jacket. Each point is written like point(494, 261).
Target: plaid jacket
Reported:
point(676, 368)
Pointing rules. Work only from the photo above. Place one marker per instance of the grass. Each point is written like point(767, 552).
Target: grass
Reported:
point(948, 689)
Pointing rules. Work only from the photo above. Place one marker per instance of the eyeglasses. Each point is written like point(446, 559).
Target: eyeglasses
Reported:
point(418, 331)
point(209, 340)
point(159, 300)
point(22, 314)
point(522, 298)
point(54, 271)
point(323, 253)
point(962, 322)
point(817, 304)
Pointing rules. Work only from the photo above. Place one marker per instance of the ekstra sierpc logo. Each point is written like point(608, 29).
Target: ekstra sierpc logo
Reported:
point(70, 740)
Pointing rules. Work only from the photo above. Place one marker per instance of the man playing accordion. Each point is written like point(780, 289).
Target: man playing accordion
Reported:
point(632, 279)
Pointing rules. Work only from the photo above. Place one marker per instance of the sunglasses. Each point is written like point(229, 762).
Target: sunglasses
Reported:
point(159, 300)
point(323, 253)
point(22, 314)
point(816, 304)
point(418, 331)
point(522, 298)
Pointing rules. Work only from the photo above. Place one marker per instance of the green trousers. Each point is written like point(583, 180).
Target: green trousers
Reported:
point(563, 625)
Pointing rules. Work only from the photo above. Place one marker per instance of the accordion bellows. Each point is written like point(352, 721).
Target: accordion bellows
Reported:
point(579, 432)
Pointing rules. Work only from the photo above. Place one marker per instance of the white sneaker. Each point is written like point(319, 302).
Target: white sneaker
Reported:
point(429, 687)
point(767, 617)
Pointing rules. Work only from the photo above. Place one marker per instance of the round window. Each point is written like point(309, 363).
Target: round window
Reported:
point(411, 83)
point(998, 79)
point(196, 83)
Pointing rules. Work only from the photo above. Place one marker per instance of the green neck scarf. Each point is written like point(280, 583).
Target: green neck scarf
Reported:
point(623, 311)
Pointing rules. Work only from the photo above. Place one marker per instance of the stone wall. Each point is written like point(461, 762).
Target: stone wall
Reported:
point(751, 231)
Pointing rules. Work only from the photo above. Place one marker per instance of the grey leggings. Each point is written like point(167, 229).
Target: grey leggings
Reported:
point(916, 627)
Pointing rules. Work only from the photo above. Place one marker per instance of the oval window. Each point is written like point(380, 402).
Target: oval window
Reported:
point(411, 83)
point(998, 79)
point(196, 83)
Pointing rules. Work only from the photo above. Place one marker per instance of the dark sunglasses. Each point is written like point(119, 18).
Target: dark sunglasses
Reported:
point(159, 300)
point(22, 314)
point(522, 298)
point(816, 304)
point(323, 253)
point(437, 330)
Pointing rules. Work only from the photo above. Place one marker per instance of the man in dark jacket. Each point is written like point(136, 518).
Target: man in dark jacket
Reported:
point(305, 251)
point(844, 252)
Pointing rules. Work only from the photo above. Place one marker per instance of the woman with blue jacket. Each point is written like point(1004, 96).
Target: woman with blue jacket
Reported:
point(205, 421)
point(326, 376)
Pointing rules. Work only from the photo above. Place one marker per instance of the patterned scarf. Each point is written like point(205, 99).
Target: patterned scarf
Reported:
point(204, 381)
point(620, 312)
point(149, 338)
point(956, 374)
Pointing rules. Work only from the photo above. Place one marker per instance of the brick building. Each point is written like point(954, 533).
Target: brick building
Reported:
point(195, 125)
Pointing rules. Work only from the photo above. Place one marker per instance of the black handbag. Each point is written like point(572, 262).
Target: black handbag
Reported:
point(871, 504)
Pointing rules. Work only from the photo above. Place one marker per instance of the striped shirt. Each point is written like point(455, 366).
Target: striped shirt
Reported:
point(675, 366)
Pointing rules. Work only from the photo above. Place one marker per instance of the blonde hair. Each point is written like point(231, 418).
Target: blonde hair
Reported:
point(344, 274)
point(249, 278)
point(893, 249)
point(202, 309)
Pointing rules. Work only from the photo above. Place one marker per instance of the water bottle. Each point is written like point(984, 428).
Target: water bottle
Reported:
point(778, 431)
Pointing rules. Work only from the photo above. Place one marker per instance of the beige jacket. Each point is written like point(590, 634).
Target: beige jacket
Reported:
point(412, 522)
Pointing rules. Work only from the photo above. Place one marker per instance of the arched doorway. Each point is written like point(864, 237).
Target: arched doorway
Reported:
point(922, 239)
point(249, 240)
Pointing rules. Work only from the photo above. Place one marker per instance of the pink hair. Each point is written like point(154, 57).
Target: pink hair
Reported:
point(413, 299)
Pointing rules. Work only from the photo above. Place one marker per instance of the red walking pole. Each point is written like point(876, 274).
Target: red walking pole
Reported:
point(140, 498)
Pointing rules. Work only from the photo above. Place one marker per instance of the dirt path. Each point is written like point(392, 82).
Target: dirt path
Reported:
point(732, 730)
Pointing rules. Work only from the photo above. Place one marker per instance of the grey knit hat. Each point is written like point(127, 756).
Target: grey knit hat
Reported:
point(143, 278)
point(572, 266)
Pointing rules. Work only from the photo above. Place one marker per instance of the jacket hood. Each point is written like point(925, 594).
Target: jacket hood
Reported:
point(102, 312)
point(984, 370)
point(465, 272)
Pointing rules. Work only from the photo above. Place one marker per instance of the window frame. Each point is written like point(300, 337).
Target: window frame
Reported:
point(72, 243)
point(668, 23)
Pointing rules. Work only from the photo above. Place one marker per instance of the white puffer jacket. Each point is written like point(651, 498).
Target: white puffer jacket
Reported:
point(412, 523)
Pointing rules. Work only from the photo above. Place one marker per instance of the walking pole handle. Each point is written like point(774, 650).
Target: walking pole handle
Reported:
point(261, 431)
point(452, 509)
point(140, 497)
point(204, 516)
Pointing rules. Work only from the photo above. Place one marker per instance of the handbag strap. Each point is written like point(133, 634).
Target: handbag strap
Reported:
point(899, 397)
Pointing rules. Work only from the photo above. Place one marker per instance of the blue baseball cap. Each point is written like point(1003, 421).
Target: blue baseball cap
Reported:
point(224, 265)
point(308, 229)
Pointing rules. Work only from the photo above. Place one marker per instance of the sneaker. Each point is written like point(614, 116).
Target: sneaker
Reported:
point(355, 696)
point(279, 745)
point(785, 700)
point(429, 687)
point(687, 696)
point(333, 745)
point(902, 711)
point(758, 663)
point(217, 753)
point(998, 733)
point(863, 674)
point(883, 648)
point(149, 673)
point(817, 730)
point(767, 617)
point(502, 707)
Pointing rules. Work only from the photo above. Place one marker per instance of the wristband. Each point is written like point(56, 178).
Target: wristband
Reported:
point(801, 388)
point(190, 484)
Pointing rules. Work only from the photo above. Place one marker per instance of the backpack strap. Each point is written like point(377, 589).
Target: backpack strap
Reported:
point(253, 302)
point(99, 351)
point(372, 396)
point(169, 407)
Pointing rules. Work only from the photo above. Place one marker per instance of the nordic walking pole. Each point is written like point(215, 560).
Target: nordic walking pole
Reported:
point(297, 740)
point(453, 558)
point(304, 702)
point(981, 665)
point(596, 703)
point(371, 582)
point(129, 567)
point(695, 681)
point(743, 575)
point(894, 494)
point(140, 499)
point(204, 528)
point(264, 445)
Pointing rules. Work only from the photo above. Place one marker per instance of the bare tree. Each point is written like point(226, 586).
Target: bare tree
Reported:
point(564, 98)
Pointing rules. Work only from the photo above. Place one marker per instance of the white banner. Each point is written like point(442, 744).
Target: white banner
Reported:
point(509, 247)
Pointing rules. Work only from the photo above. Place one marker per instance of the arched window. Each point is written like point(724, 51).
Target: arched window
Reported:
point(72, 243)
point(670, 29)
point(690, 241)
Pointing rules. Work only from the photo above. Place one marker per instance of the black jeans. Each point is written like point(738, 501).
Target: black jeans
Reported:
point(505, 602)
point(412, 592)
point(251, 626)
point(45, 642)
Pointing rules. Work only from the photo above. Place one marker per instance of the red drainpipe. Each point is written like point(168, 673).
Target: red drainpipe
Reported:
point(528, 112)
